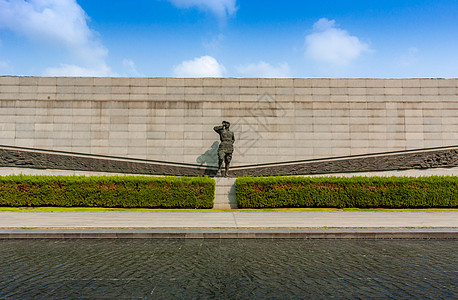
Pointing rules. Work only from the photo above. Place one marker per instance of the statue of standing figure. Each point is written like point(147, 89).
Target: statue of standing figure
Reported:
point(226, 147)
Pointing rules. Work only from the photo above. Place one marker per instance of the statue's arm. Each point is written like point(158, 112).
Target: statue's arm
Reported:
point(218, 128)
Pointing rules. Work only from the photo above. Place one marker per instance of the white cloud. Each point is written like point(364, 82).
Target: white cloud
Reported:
point(214, 45)
point(5, 66)
point(221, 8)
point(410, 58)
point(73, 70)
point(263, 69)
point(62, 22)
point(205, 66)
point(332, 45)
point(130, 67)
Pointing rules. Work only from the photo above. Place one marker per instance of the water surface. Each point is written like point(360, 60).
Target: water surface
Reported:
point(228, 269)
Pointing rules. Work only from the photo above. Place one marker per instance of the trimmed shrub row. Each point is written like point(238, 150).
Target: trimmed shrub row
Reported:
point(341, 192)
point(107, 191)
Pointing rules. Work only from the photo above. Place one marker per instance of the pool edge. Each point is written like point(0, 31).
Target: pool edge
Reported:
point(231, 233)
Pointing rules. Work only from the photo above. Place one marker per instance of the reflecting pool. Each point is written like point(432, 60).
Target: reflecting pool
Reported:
point(228, 269)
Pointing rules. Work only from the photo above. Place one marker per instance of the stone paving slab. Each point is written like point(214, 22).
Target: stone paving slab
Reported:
point(228, 219)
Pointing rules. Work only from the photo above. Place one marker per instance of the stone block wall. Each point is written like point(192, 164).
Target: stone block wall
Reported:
point(274, 120)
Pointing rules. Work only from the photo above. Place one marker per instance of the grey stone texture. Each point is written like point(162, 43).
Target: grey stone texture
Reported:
point(235, 219)
point(274, 120)
point(432, 158)
point(388, 161)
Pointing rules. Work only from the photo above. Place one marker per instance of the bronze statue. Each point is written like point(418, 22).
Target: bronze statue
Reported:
point(226, 147)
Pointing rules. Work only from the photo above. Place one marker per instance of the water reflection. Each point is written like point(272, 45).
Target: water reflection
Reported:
point(236, 269)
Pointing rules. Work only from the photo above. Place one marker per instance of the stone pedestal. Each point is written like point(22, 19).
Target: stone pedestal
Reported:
point(225, 193)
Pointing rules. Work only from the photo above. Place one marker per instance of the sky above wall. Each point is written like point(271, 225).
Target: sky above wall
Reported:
point(230, 38)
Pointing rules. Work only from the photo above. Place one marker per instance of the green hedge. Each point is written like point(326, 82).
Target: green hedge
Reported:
point(341, 192)
point(107, 191)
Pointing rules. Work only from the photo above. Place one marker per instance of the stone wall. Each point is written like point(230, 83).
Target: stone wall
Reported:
point(274, 120)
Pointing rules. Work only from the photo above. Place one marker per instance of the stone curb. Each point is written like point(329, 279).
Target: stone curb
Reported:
point(231, 233)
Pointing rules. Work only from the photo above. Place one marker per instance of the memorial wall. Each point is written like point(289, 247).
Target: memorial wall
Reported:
point(274, 120)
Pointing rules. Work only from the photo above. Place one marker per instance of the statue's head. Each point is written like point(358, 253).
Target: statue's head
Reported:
point(226, 124)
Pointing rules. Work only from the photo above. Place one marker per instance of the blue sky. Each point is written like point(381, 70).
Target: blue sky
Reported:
point(229, 38)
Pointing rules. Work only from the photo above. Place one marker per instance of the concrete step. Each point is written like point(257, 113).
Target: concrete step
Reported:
point(225, 193)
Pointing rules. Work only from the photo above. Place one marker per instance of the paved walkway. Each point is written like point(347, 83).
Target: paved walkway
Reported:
point(228, 219)
point(230, 224)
